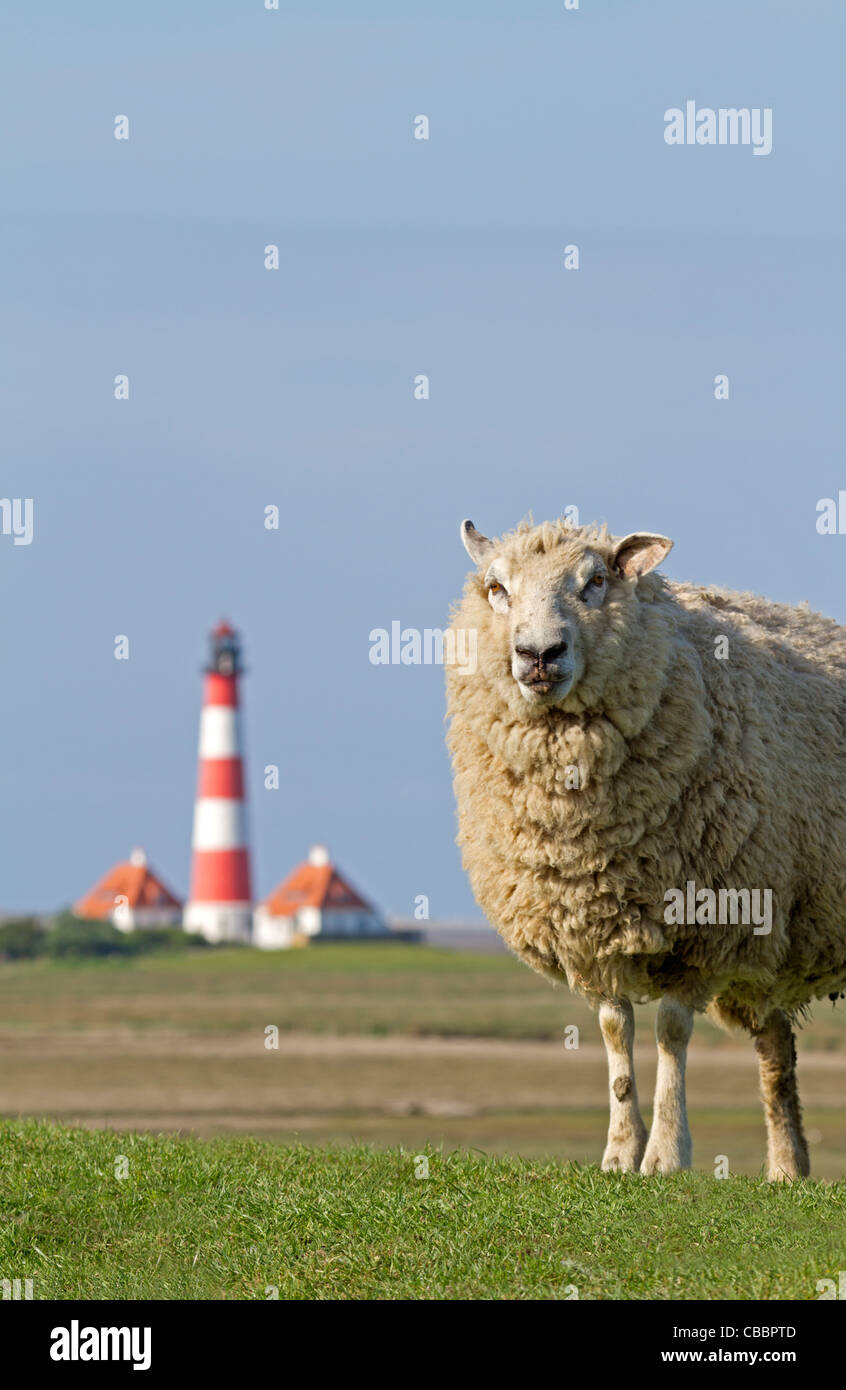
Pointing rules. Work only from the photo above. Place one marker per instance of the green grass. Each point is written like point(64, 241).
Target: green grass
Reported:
point(337, 988)
point(332, 988)
point(226, 1219)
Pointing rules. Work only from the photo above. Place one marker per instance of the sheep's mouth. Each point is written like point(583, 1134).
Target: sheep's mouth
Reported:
point(545, 690)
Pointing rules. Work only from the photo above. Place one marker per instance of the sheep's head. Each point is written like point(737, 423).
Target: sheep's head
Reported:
point(560, 597)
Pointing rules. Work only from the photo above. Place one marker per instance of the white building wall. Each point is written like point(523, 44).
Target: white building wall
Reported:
point(220, 921)
point(127, 918)
point(272, 933)
point(277, 933)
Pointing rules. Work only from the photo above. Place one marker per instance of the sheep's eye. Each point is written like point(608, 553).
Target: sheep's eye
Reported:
point(495, 589)
point(595, 585)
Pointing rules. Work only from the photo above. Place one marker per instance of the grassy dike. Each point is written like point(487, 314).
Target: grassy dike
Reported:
point(236, 1219)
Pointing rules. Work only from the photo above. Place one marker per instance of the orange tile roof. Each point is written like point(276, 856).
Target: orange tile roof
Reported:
point(136, 882)
point(314, 885)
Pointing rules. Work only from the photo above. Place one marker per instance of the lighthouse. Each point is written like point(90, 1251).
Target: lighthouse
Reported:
point(220, 904)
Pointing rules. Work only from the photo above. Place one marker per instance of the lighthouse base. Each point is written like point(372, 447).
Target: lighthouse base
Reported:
point(220, 921)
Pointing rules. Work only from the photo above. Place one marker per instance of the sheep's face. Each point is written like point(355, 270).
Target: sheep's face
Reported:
point(554, 603)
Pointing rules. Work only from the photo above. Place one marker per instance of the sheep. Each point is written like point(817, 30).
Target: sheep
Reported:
point(634, 758)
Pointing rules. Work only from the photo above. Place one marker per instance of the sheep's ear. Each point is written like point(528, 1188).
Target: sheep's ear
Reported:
point(478, 547)
point(639, 553)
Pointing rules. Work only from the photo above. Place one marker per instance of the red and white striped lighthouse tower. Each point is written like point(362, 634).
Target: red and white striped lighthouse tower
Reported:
point(220, 904)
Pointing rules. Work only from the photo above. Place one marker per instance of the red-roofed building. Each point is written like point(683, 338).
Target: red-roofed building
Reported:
point(130, 895)
point(315, 900)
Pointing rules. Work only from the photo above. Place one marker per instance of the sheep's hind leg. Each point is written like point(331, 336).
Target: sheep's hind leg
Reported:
point(669, 1146)
point(787, 1151)
point(626, 1130)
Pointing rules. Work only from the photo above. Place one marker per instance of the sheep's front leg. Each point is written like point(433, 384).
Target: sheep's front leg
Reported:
point(787, 1151)
point(669, 1146)
point(626, 1130)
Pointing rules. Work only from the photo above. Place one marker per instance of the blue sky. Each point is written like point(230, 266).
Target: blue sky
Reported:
point(294, 387)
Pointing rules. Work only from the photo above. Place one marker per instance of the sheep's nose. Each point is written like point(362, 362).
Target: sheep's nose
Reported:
point(542, 657)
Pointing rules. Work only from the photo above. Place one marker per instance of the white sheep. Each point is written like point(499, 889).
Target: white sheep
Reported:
point(651, 786)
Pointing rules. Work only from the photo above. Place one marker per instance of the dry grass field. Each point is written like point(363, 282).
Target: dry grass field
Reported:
point(388, 1045)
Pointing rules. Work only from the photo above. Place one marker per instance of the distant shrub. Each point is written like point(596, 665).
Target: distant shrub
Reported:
point(22, 939)
point(166, 939)
point(68, 936)
point(73, 936)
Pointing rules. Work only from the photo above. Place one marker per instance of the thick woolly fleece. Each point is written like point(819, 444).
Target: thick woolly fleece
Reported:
point(730, 773)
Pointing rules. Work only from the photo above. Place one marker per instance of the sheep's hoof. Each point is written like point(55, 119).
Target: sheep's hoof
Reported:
point(787, 1172)
point(623, 1155)
point(670, 1159)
